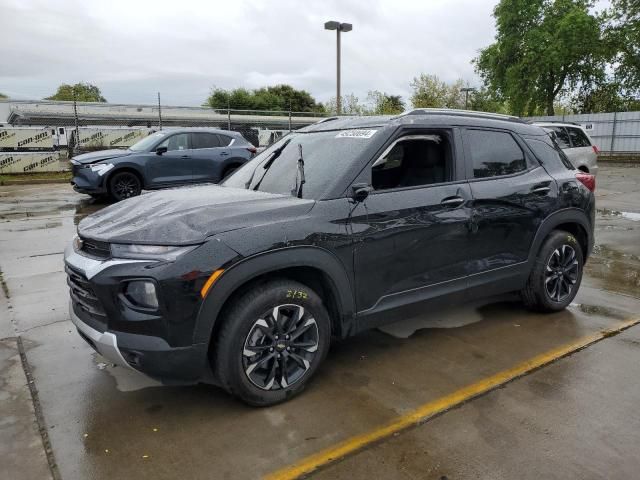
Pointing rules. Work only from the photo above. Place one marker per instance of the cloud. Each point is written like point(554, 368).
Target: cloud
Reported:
point(133, 49)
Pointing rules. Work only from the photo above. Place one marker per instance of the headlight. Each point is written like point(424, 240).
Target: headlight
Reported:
point(101, 168)
point(142, 293)
point(149, 252)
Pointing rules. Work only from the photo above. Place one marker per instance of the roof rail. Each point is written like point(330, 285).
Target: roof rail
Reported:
point(553, 121)
point(462, 113)
point(323, 120)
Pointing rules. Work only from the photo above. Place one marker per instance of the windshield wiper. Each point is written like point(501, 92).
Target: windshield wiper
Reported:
point(276, 153)
point(297, 188)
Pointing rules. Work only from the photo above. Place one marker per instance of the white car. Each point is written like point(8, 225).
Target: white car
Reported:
point(575, 143)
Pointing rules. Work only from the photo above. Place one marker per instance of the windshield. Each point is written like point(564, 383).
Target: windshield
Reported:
point(146, 143)
point(327, 156)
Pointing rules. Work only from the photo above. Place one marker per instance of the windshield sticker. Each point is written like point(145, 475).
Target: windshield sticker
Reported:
point(356, 134)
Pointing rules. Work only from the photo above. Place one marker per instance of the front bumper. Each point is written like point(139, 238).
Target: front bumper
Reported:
point(105, 343)
point(86, 180)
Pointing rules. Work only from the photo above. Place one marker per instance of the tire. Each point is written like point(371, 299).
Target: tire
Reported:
point(124, 185)
point(556, 274)
point(249, 364)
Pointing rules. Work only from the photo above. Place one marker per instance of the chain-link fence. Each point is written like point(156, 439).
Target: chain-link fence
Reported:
point(615, 133)
point(41, 135)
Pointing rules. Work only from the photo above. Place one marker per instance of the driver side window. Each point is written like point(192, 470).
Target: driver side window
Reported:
point(179, 141)
point(412, 161)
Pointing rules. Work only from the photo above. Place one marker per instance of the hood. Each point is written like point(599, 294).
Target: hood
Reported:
point(93, 157)
point(184, 216)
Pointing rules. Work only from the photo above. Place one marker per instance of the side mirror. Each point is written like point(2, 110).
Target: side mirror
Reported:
point(161, 150)
point(360, 191)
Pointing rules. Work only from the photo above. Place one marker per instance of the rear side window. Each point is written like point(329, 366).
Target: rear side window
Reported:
point(204, 140)
point(494, 153)
point(548, 154)
point(224, 140)
point(562, 138)
point(578, 138)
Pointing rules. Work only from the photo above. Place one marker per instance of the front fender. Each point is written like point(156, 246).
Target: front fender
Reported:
point(252, 267)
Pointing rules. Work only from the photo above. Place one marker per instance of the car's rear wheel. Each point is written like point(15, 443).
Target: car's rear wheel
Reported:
point(556, 274)
point(124, 185)
point(271, 342)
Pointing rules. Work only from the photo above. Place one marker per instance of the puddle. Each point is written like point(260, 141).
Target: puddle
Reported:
point(445, 318)
point(599, 310)
point(616, 213)
point(619, 272)
point(127, 380)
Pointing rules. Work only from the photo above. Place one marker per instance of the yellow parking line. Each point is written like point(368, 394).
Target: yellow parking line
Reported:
point(428, 410)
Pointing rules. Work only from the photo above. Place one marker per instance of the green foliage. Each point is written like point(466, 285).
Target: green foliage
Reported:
point(3, 96)
point(381, 103)
point(484, 100)
point(543, 49)
point(278, 97)
point(431, 92)
point(84, 92)
point(605, 97)
point(622, 36)
point(350, 104)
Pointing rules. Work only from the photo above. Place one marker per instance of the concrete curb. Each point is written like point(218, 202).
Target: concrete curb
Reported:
point(35, 181)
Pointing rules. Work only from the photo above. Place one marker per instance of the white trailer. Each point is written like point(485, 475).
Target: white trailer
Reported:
point(26, 138)
point(110, 137)
point(32, 162)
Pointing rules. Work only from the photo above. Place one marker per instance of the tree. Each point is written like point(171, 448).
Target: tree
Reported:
point(431, 92)
point(350, 104)
point(543, 49)
point(484, 100)
point(381, 103)
point(3, 96)
point(278, 97)
point(604, 97)
point(622, 36)
point(84, 92)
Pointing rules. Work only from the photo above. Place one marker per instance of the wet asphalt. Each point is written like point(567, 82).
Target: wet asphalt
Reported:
point(575, 418)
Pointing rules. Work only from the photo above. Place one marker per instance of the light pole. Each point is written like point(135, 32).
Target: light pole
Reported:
point(338, 27)
point(466, 91)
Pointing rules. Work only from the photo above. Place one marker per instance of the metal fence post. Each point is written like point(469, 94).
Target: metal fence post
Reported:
point(289, 119)
point(76, 144)
point(613, 132)
point(159, 112)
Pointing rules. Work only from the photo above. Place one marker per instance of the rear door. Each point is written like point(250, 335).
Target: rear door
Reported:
point(511, 193)
point(172, 167)
point(207, 156)
point(581, 152)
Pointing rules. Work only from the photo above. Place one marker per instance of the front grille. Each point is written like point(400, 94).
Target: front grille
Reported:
point(95, 248)
point(85, 302)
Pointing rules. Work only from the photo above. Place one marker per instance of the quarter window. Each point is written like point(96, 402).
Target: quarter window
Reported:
point(179, 141)
point(224, 140)
point(413, 161)
point(562, 138)
point(204, 140)
point(578, 138)
point(494, 154)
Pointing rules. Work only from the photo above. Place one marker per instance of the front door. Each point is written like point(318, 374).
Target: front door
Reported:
point(412, 231)
point(173, 167)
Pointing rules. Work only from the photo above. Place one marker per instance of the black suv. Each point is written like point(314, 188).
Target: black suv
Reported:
point(176, 156)
point(339, 227)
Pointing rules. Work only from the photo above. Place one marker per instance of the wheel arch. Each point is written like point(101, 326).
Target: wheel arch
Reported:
point(572, 220)
point(313, 266)
point(124, 168)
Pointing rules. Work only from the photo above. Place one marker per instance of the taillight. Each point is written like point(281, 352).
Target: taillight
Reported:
point(252, 149)
point(587, 179)
point(596, 150)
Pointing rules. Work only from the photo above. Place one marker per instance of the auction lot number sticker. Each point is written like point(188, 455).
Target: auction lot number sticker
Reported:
point(356, 134)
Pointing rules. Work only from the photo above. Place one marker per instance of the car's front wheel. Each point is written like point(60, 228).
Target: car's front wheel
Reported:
point(556, 275)
point(124, 185)
point(272, 340)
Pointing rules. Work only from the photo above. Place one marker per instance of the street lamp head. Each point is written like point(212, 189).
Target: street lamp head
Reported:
point(333, 25)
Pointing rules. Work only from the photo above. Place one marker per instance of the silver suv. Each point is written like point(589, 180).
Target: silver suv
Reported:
point(575, 143)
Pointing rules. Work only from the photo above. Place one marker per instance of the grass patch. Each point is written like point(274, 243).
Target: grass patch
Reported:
point(26, 177)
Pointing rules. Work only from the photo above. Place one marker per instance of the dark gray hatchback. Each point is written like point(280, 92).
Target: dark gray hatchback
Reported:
point(163, 159)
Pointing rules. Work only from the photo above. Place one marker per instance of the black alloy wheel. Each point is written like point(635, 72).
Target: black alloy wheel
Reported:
point(561, 273)
point(280, 347)
point(124, 185)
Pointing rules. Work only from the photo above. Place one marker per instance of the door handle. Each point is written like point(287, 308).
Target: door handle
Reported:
point(185, 156)
point(452, 201)
point(541, 190)
point(224, 154)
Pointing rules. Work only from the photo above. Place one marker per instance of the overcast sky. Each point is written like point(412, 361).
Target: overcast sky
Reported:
point(132, 49)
